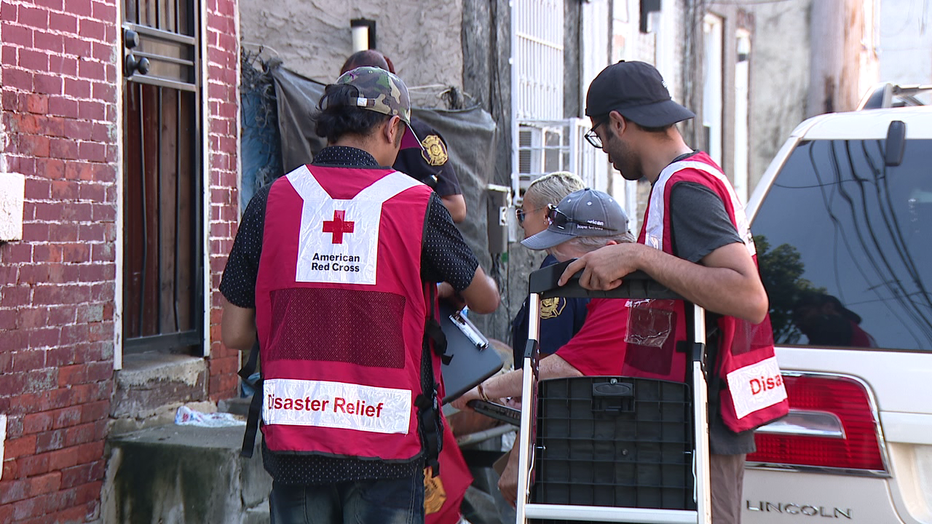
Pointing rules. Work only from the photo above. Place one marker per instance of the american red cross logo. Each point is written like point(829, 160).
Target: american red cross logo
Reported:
point(338, 226)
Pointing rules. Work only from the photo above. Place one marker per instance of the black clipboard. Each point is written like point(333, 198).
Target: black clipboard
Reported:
point(500, 412)
point(471, 358)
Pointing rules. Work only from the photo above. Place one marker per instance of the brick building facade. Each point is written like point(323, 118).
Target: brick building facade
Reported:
point(63, 286)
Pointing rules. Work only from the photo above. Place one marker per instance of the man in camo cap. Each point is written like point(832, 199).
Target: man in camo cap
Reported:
point(428, 160)
point(334, 271)
point(373, 89)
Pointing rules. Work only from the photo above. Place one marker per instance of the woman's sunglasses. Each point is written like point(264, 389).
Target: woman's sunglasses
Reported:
point(560, 220)
point(521, 214)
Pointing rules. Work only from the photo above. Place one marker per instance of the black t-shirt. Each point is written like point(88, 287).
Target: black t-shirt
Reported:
point(700, 225)
point(445, 257)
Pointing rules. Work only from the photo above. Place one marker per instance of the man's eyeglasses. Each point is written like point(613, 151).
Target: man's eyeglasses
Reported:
point(592, 137)
point(560, 220)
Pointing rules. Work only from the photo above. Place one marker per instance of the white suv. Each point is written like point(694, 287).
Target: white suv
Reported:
point(843, 221)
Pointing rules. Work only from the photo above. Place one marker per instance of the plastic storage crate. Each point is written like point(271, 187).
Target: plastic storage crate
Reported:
point(613, 449)
point(614, 441)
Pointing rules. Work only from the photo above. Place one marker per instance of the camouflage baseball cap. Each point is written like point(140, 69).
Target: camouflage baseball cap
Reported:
point(376, 90)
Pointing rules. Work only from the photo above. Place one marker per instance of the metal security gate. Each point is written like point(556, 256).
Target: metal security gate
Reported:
point(540, 135)
point(163, 188)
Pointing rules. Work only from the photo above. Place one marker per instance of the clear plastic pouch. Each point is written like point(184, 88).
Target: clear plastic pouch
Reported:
point(650, 322)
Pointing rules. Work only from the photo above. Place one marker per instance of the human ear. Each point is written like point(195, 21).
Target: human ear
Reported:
point(394, 130)
point(617, 122)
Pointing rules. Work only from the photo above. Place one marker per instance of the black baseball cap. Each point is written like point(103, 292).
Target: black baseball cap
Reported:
point(638, 92)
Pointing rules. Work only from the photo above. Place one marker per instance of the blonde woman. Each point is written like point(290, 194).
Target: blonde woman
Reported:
point(561, 318)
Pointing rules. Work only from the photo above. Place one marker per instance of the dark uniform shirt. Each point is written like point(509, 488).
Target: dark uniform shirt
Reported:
point(560, 319)
point(700, 225)
point(430, 165)
point(444, 257)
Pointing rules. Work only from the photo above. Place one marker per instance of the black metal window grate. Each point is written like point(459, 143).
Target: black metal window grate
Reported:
point(163, 258)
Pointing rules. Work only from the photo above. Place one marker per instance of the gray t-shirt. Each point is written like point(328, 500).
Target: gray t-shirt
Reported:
point(700, 225)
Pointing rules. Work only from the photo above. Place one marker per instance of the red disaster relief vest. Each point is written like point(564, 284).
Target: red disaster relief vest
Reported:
point(340, 312)
point(754, 392)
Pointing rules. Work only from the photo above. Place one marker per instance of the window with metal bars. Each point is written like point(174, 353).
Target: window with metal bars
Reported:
point(163, 259)
point(548, 146)
point(544, 141)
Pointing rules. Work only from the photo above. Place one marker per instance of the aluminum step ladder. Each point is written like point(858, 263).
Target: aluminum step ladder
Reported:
point(542, 285)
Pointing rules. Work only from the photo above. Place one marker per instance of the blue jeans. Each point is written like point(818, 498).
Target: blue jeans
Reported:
point(394, 501)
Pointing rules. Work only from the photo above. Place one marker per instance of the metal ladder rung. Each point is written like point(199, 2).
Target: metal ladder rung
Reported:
point(608, 514)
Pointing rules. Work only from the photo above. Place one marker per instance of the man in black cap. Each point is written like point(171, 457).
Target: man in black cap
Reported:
point(695, 240)
point(427, 161)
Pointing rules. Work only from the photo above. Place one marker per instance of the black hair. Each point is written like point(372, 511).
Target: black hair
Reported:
point(601, 119)
point(338, 119)
point(818, 299)
point(660, 129)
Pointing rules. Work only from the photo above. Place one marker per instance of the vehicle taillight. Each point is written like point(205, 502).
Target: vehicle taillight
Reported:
point(831, 424)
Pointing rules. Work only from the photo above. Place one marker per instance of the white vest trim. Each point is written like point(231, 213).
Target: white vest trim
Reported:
point(756, 387)
point(654, 228)
point(324, 404)
point(339, 239)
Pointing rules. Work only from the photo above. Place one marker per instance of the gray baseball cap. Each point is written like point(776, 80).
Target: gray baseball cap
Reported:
point(583, 213)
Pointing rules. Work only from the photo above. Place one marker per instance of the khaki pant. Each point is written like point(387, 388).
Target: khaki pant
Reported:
point(727, 472)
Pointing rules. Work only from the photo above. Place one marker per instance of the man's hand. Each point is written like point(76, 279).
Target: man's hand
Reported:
point(446, 293)
point(508, 482)
point(726, 281)
point(604, 268)
point(460, 402)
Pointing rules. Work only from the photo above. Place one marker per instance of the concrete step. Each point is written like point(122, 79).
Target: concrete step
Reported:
point(151, 386)
point(183, 475)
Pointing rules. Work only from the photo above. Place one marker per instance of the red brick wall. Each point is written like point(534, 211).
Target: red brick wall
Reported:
point(222, 72)
point(57, 284)
point(59, 129)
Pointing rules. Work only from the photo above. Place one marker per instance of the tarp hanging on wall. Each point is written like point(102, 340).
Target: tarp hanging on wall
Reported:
point(297, 98)
point(261, 147)
point(469, 133)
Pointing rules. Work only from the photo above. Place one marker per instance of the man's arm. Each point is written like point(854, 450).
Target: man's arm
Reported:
point(482, 293)
point(726, 281)
point(456, 205)
point(238, 327)
point(447, 258)
point(510, 384)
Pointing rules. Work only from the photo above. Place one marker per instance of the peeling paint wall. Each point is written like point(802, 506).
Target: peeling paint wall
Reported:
point(779, 79)
point(839, 58)
point(313, 37)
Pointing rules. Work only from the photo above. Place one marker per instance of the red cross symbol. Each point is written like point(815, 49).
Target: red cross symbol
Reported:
point(338, 226)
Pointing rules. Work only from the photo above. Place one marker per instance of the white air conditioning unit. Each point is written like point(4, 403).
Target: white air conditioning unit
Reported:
point(545, 146)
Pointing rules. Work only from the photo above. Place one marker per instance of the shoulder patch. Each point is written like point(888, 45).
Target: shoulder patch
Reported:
point(552, 307)
point(434, 150)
